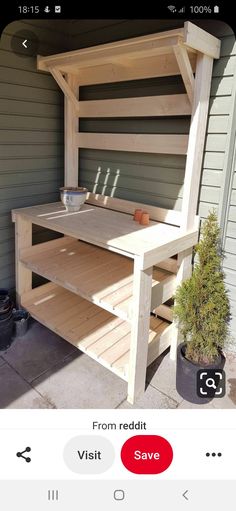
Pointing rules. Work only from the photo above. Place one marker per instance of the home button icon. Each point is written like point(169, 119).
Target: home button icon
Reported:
point(119, 495)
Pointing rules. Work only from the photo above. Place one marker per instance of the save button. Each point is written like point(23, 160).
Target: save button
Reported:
point(146, 454)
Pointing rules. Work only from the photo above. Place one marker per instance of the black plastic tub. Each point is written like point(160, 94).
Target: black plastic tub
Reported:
point(21, 319)
point(6, 330)
point(6, 319)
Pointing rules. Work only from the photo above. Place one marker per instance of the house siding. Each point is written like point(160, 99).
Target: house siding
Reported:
point(31, 137)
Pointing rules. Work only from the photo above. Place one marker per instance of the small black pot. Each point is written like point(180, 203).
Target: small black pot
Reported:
point(186, 376)
point(6, 331)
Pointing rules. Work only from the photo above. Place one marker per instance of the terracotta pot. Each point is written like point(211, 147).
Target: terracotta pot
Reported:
point(144, 218)
point(137, 215)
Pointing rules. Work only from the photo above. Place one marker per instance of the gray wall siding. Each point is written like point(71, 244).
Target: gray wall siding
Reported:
point(31, 137)
point(154, 179)
point(230, 253)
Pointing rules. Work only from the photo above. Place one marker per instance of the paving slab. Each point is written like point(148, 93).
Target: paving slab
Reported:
point(80, 382)
point(186, 405)
point(162, 375)
point(151, 399)
point(37, 351)
point(2, 361)
point(16, 393)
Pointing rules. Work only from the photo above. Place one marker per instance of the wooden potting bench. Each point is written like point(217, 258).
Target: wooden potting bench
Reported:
point(107, 273)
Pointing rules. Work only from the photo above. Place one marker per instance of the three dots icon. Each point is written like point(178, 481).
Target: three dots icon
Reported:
point(213, 454)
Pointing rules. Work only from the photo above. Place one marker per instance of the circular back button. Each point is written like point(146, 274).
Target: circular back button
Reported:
point(146, 454)
point(25, 43)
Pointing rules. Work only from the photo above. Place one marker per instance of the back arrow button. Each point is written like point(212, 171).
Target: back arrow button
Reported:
point(185, 495)
point(24, 43)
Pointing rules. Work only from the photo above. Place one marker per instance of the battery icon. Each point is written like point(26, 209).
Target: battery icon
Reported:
point(216, 9)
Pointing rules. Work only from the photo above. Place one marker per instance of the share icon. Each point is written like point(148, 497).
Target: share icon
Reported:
point(21, 454)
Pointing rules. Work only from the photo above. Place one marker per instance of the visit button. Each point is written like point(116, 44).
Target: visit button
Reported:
point(146, 454)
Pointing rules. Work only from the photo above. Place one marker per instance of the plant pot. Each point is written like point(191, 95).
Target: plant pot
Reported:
point(73, 197)
point(21, 320)
point(6, 314)
point(6, 330)
point(186, 376)
point(4, 300)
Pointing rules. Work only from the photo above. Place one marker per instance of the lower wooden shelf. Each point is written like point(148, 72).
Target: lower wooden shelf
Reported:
point(96, 332)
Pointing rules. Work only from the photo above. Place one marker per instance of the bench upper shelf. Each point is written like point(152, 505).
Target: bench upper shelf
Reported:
point(192, 37)
point(113, 230)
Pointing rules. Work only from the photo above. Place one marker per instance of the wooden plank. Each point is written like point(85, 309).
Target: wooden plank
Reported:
point(99, 276)
point(112, 230)
point(43, 248)
point(71, 129)
point(164, 144)
point(141, 46)
point(64, 86)
point(164, 311)
point(193, 170)
point(196, 139)
point(186, 70)
point(169, 264)
point(163, 291)
point(160, 343)
point(168, 249)
point(108, 340)
point(157, 343)
point(139, 332)
point(200, 40)
point(158, 66)
point(23, 239)
point(159, 214)
point(72, 63)
point(104, 338)
point(148, 106)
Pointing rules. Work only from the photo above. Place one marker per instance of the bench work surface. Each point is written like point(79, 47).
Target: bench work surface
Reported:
point(107, 228)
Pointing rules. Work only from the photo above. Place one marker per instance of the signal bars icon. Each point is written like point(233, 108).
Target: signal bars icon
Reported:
point(173, 9)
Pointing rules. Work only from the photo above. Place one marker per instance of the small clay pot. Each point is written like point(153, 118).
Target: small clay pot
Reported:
point(144, 218)
point(137, 215)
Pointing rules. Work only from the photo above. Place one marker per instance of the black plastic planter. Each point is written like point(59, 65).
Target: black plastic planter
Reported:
point(186, 376)
point(6, 319)
point(6, 330)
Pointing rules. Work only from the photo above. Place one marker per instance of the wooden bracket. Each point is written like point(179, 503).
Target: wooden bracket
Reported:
point(185, 70)
point(58, 76)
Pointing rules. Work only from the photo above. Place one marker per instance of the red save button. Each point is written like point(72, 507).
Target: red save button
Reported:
point(146, 454)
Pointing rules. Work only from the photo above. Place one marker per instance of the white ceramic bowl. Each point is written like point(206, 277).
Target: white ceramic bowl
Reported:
point(73, 197)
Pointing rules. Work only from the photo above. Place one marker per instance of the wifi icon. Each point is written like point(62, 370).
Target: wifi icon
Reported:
point(172, 8)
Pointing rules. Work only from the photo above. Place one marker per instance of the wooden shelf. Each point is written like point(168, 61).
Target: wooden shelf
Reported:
point(102, 277)
point(96, 332)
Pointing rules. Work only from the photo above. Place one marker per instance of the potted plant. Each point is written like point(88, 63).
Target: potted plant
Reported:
point(203, 313)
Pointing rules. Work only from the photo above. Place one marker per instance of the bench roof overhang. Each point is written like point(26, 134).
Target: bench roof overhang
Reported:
point(123, 52)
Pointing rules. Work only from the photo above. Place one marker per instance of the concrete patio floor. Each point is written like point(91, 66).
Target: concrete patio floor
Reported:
point(41, 370)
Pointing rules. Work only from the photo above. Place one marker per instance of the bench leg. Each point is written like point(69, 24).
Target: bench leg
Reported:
point(139, 332)
point(23, 239)
point(183, 273)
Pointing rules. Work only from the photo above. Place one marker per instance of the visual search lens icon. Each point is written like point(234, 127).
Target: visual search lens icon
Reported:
point(211, 383)
point(21, 454)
